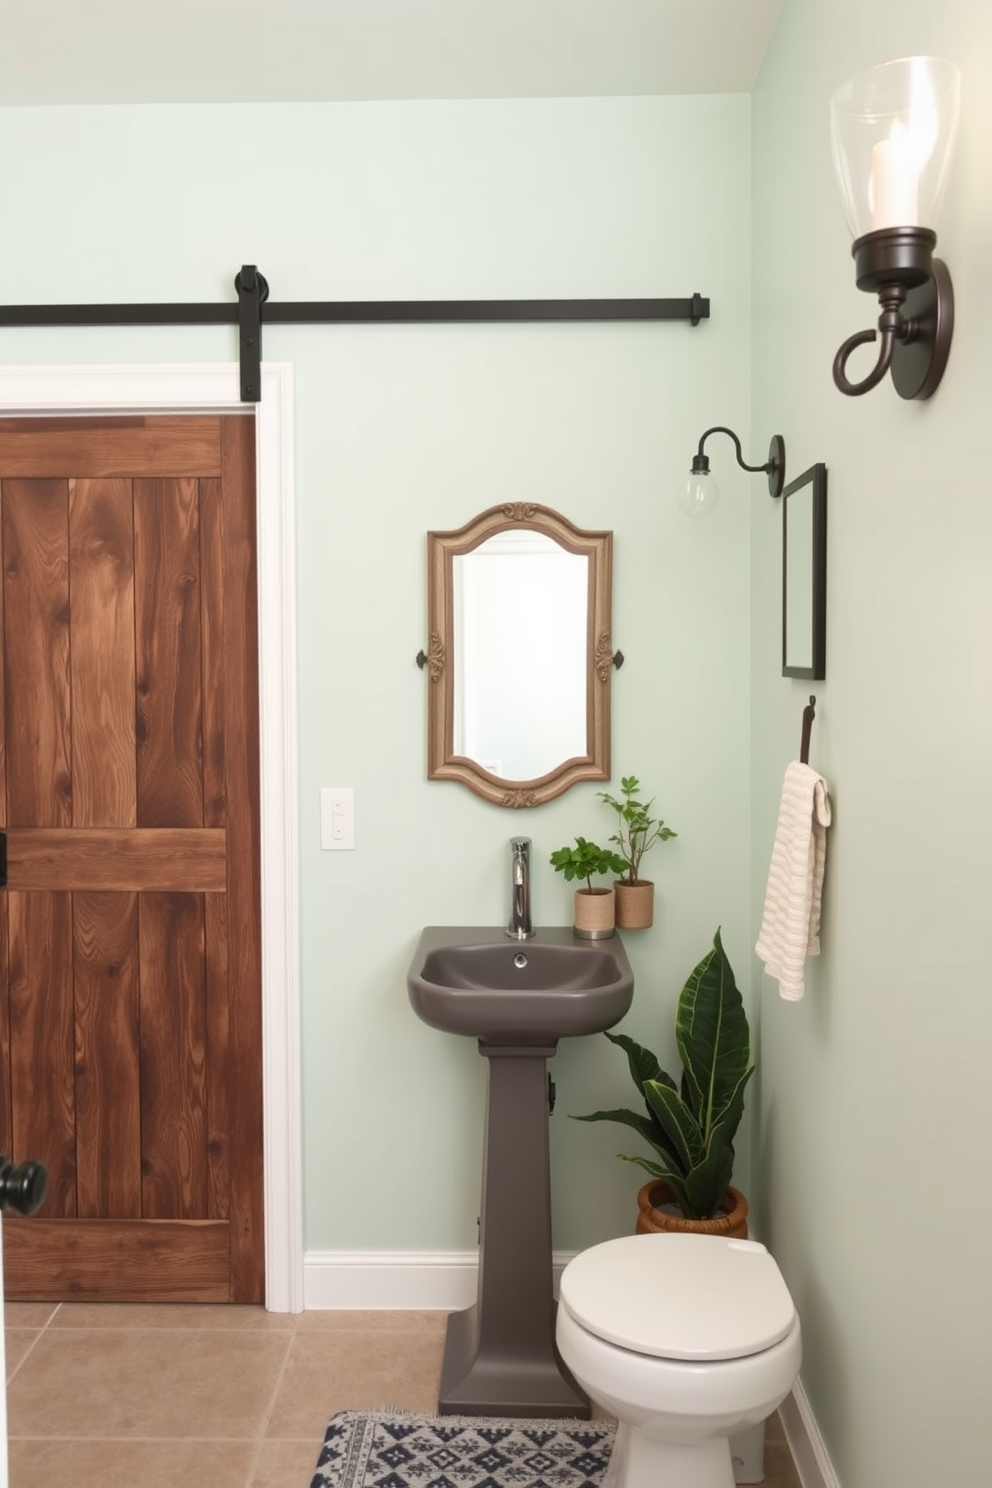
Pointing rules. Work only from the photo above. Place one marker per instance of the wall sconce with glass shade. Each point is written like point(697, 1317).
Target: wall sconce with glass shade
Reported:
point(702, 494)
point(892, 132)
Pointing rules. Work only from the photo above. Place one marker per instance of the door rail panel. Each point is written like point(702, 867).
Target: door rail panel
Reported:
point(189, 860)
point(119, 1260)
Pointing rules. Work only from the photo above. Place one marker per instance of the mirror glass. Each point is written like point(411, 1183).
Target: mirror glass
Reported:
point(799, 586)
point(519, 657)
point(520, 594)
point(804, 560)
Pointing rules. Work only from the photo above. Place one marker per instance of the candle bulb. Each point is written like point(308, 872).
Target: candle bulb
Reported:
point(895, 181)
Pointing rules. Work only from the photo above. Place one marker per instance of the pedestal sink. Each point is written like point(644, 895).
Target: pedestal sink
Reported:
point(518, 998)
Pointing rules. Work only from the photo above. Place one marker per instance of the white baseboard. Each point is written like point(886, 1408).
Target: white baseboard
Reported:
point(422, 1281)
point(805, 1442)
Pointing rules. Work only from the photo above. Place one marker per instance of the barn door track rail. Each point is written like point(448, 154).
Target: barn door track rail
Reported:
point(253, 309)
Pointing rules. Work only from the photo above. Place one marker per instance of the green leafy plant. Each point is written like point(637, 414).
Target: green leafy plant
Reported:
point(585, 860)
point(637, 830)
point(692, 1126)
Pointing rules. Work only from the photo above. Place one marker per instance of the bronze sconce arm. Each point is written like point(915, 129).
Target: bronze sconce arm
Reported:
point(917, 320)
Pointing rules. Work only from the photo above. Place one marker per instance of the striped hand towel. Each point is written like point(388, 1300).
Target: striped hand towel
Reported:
point(790, 927)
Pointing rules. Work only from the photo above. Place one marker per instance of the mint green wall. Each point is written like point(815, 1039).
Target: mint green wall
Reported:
point(873, 1151)
point(399, 430)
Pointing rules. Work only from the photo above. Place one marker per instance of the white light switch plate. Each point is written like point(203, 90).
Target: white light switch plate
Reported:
point(337, 818)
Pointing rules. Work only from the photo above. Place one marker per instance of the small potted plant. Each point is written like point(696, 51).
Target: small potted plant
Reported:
point(594, 908)
point(691, 1126)
point(637, 831)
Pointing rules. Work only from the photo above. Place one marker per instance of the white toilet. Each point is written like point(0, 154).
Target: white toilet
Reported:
point(688, 1340)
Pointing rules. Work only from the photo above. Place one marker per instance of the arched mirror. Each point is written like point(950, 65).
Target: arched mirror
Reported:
point(519, 658)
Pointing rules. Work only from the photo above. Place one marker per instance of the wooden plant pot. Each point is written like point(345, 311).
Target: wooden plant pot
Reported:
point(653, 1219)
point(594, 913)
point(635, 904)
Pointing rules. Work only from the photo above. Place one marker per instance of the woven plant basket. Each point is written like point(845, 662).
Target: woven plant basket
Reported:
point(635, 904)
point(595, 911)
point(652, 1219)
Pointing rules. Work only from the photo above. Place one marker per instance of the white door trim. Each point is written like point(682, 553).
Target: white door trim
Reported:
point(182, 388)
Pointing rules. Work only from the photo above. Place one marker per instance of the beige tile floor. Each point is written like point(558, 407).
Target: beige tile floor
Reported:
point(212, 1397)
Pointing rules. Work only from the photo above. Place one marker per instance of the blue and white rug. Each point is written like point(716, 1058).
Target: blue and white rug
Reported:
point(392, 1449)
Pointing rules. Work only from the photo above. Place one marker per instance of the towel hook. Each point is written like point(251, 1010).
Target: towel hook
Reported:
point(809, 713)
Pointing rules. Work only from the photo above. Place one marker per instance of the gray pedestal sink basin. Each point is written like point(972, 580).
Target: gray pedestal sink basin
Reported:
point(555, 985)
point(517, 998)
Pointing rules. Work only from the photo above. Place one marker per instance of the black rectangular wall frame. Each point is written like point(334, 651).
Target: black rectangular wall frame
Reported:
point(815, 562)
point(249, 315)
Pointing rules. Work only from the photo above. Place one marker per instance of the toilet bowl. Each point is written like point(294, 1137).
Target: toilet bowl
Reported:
point(688, 1340)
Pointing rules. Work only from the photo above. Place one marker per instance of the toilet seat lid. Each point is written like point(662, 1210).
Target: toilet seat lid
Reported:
point(679, 1296)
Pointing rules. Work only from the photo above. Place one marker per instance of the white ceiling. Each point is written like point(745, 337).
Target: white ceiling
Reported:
point(162, 51)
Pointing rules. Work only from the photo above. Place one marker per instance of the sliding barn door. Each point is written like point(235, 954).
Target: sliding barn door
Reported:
point(130, 984)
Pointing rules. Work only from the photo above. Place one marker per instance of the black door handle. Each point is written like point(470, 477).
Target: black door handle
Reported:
point(3, 860)
point(22, 1188)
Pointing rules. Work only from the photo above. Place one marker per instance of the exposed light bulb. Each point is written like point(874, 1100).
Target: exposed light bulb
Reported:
point(701, 495)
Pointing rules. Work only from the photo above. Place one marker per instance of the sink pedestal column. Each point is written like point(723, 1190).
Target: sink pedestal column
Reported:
point(499, 1356)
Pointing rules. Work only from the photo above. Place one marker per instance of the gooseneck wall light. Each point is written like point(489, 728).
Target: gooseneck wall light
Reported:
point(702, 493)
point(892, 131)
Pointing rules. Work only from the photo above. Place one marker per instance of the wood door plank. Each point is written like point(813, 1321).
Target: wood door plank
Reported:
point(116, 1260)
point(221, 1073)
point(244, 857)
point(111, 448)
point(212, 560)
point(168, 653)
point(192, 859)
point(36, 652)
point(108, 1103)
point(41, 1041)
point(101, 579)
point(172, 959)
point(3, 683)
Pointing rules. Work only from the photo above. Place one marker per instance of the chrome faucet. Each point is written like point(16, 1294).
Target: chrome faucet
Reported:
point(519, 927)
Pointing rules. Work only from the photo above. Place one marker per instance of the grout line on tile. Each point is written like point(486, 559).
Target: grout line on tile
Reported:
point(32, 1345)
point(104, 1330)
point(161, 1441)
point(267, 1416)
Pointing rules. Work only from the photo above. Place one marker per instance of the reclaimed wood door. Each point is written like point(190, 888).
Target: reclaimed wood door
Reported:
point(130, 981)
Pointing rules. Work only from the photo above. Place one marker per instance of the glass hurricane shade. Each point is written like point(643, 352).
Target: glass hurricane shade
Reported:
point(892, 133)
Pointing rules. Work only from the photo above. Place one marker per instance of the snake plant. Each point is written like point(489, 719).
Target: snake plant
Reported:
point(692, 1125)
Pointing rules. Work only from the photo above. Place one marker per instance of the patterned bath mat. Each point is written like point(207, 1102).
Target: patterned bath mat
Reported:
point(393, 1449)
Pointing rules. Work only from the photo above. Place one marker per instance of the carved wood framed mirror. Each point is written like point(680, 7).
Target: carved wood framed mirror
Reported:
point(520, 657)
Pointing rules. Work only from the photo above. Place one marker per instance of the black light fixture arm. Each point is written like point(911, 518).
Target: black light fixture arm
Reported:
point(701, 463)
point(774, 466)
